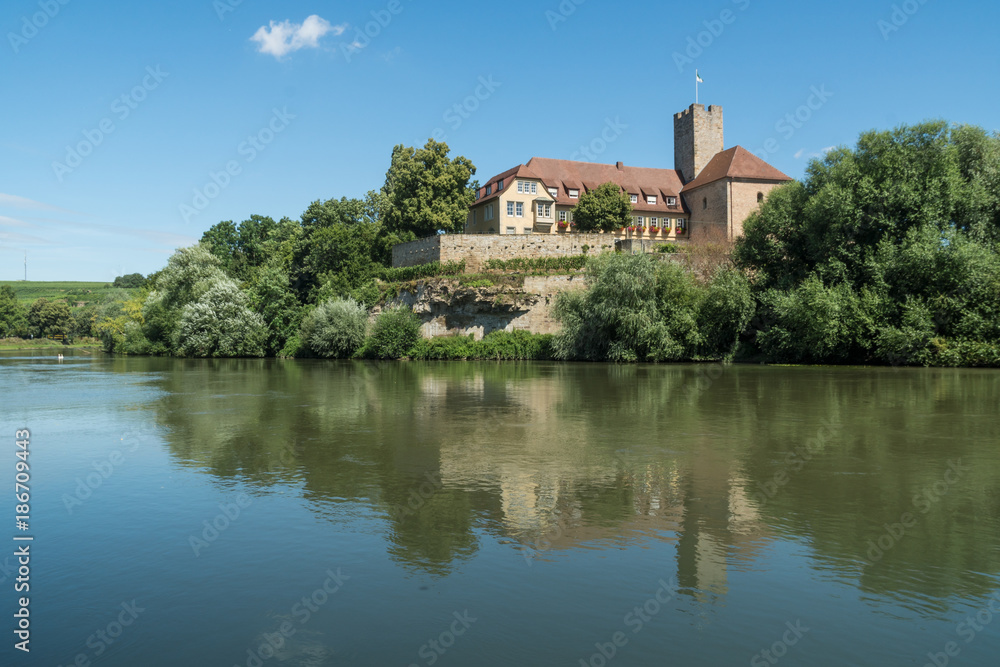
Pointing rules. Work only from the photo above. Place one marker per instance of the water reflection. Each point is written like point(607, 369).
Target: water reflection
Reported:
point(852, 464)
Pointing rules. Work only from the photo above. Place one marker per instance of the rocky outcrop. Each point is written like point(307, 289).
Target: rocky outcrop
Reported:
point(448, 307)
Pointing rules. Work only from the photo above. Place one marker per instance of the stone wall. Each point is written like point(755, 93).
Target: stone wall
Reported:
point(475, 249)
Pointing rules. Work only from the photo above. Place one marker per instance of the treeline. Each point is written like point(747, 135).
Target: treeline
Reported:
point(885, 254)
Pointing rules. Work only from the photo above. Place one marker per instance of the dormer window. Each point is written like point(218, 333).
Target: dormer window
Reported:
point(489, 190)
point(634, 199)
point(574, 194)
point(554, 193)
point(651, 200)
point(671, 201)
point(499, 186)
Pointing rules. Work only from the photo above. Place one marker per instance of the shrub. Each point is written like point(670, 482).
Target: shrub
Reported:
point(395, 332)
point(335, 329)
point(220, 324)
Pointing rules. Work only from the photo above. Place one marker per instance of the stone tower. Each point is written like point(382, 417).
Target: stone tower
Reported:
point(697, 139)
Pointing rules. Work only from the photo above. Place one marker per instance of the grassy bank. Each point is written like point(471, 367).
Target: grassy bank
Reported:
point(44, 344)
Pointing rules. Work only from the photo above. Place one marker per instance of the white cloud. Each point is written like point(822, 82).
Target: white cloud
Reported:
point(286, 37)
point(20, 202)
point(799, 155)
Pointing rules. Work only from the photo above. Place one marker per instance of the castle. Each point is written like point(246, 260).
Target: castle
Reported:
point(706, 196)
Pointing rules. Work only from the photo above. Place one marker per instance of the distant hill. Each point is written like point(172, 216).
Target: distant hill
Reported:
point(72, 292)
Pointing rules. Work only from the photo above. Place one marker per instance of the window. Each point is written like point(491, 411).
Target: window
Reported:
point(704, 202)
point(554, 193)
point(510, 209)
point(671, 201)
point(512, 230)
point(534, 188)
point(651, 200)
point(760, 197)
point(520, 209)
point(574, 194)
point(563, 216)
point(527, 230)
point(488, 212)
point(634, 199)
point(653, 221)
point(520, 186)
point(681, 225)
point(499, 186)
point(641, 221)
point(489, 190)
point(544, 210)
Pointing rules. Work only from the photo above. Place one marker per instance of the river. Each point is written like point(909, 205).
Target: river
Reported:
point(264, 512)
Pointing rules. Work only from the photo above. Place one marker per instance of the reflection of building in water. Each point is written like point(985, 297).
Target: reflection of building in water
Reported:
point(560, 489)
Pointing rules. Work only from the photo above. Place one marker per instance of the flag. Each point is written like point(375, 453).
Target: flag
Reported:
point(698, 77)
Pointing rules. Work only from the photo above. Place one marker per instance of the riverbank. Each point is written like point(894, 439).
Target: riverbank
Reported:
point(46, 344)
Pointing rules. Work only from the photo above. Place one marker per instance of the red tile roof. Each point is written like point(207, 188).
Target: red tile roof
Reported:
point(565, 175)
point(737, 162)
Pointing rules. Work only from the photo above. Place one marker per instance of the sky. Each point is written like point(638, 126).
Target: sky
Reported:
point(127, 129)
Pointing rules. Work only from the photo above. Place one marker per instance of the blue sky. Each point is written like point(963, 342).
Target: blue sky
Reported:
point(161, 96)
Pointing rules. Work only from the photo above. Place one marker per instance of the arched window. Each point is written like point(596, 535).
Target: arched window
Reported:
point(760, 197)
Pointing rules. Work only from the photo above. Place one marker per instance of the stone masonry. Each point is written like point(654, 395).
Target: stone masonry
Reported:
point(698, 137)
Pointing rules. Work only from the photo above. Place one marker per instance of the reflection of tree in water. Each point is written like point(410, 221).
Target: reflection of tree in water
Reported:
point(555, 456)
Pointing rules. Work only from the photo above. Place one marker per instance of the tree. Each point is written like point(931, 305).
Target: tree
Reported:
point(426, 191)
point(130, 281)
point(336, 328)
point(886, 252)
point(395, 332)
point(605, 209)
point(47, 319)
point(13, 318)
point(189, 273)
point(220, 324)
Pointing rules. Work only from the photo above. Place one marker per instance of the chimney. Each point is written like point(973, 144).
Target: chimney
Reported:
point(621, 166)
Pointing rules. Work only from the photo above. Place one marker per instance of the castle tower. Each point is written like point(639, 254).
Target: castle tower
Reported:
point(697, 139)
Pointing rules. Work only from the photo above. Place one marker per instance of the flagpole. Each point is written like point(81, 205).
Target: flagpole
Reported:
point(696, 86)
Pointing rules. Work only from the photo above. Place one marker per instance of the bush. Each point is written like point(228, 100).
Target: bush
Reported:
point(538, 264)
point(726, 311)
point(335, 329)
point(495, 346)
point(431, 270)
point(220, 324)
point(394, 334)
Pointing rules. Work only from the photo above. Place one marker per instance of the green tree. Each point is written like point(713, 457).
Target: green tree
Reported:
point(272, 298)
point(189, 273)
point(220, 323)
point(130, 281)
point(605, 209)
point(47, 319)
point(886, 252)
point(426, 191)
point(335, 328)
point(395, 332)
point(13, 317)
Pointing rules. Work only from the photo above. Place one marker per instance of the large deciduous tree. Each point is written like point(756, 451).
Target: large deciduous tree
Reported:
point(13, 318)
point(427, 192)
point(605, 209)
